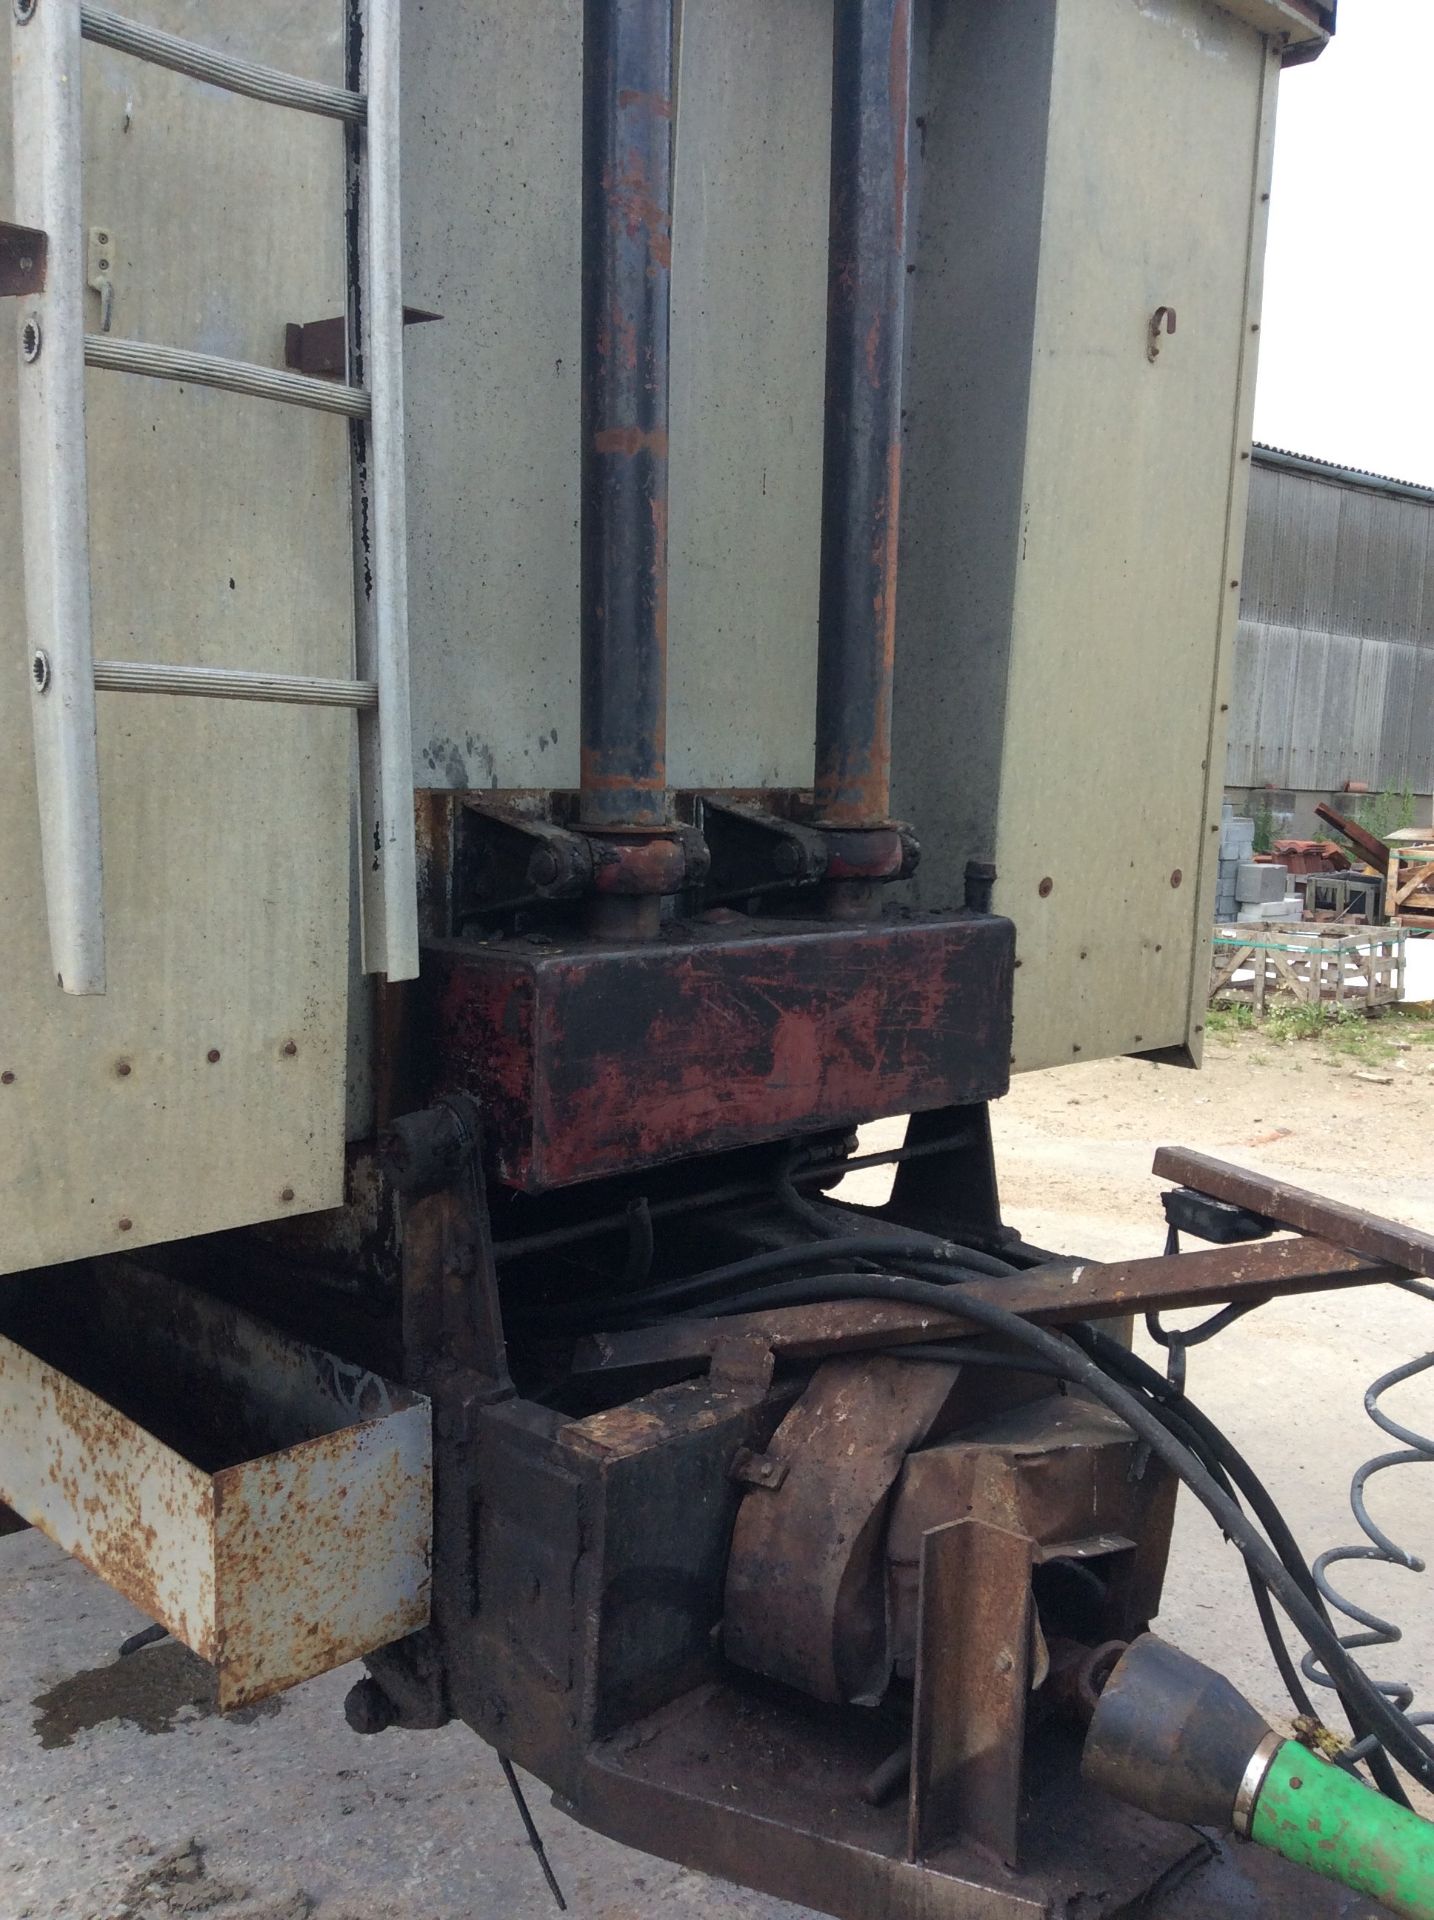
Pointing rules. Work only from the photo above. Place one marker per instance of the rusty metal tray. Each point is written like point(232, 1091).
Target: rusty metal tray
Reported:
point(267, 1503)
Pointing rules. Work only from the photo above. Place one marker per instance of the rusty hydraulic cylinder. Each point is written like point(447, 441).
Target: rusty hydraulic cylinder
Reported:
point(861, 498)
point(627, 258)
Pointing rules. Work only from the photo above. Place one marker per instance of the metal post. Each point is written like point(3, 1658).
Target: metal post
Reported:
point(627, 258)
point(866, 308)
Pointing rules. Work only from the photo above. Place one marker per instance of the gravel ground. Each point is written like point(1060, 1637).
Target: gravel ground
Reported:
point(123, 1796)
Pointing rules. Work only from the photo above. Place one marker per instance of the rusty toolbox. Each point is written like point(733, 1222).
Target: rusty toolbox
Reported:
point(267, 1503)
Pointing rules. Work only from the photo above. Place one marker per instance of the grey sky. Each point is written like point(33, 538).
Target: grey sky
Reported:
point(1349, 283)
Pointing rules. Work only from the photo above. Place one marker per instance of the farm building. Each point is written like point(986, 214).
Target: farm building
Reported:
point(1333, 682)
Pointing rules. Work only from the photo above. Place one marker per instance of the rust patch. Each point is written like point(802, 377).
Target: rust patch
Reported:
point(635, 210)
point(631, 441)
point(657, 104)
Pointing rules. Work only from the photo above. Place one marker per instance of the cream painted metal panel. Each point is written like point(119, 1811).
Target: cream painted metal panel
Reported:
point(492, 170)
point(220, 537)
point(749, 289)
point(492, 161)
point(1067, 594)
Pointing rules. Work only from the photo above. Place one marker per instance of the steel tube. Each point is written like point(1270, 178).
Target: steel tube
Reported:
point(627, 259)
point(861, 489)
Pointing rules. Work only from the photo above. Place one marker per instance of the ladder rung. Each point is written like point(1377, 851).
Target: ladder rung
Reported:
point(224, 683)
point(233, 376)
point(108, 29)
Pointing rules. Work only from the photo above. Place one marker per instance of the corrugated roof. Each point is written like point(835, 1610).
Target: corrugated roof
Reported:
point(1317, 469)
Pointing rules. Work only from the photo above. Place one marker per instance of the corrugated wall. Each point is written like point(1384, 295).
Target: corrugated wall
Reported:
point(1334, 663)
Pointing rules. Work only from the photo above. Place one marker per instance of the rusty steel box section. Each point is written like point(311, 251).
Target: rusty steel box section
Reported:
point(267, 1503)
point(594, 1058)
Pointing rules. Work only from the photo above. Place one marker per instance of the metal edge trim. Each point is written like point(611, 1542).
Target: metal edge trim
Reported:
point(1256, 1772)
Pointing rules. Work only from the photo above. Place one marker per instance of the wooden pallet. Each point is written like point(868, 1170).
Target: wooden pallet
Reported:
point(1318, 968)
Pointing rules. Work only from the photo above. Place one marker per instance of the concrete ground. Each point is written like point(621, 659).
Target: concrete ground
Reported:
point(124, 1797)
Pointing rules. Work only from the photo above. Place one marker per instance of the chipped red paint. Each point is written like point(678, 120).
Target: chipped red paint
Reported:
point(591, 1058)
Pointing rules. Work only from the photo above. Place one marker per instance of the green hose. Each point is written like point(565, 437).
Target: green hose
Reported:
point(1325, 1819)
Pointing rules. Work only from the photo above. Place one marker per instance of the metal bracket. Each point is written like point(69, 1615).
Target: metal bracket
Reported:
point(320, 347)
point(506, 858)
point(23, 254)
point(754, 851)
point(99, 273)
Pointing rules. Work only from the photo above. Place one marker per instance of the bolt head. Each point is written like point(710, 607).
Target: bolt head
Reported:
point(543, 867)
point(368, 1708)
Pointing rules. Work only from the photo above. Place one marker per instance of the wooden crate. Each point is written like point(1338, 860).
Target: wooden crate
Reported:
point(1409, 896)
point(1255, 964)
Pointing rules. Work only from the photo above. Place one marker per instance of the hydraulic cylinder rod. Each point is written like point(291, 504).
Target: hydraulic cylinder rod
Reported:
point(861, 482)
point(627, 261)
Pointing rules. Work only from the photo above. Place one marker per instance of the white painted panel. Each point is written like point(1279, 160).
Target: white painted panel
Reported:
point(219, 538)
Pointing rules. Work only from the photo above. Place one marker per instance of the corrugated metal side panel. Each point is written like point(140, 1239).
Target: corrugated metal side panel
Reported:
point(1335, 660)
point(220, 530)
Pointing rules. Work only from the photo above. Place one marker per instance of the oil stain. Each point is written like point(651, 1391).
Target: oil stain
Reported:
point(147, 1690)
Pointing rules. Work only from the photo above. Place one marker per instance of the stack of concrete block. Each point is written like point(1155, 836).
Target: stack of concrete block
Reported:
point(1237, 844)
point(1262, 891)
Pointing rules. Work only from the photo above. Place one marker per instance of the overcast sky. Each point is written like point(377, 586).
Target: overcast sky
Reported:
point(1346, 351)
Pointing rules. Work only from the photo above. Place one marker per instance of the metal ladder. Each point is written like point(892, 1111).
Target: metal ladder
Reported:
point(54, 352)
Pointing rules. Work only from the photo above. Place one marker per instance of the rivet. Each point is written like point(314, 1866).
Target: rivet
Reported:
point(289, 1049)
point(7, 1079)
point(1005, 1663)
point(1296, 1782)
point(1139, 1038)
point(1046, 888)
point(287, 1195)
point(124, 1225)
point(123, 1069)
point(213, 1056)
point(1075, 1048)
point(1176, 877)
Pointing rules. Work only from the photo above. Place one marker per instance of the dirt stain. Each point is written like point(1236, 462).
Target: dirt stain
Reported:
point(178, 1886)
point(148, 1690)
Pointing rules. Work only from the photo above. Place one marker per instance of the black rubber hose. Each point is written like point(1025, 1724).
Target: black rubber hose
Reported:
point(703, 1289)
point(1145, 1378)
point(1403, 1741)
point(833, 1224)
